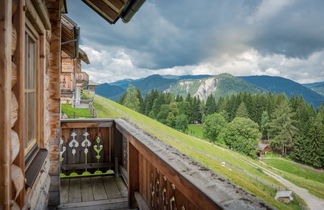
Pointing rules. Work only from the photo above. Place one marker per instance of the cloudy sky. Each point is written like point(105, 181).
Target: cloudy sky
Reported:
point(242, 37)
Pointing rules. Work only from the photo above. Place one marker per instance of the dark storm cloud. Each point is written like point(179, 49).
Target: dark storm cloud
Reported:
point(295, 31)
point(173, 33)
point(242, 37)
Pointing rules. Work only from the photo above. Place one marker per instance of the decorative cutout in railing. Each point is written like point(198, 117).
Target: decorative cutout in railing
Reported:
point(62, 149)
point(98, 148)
point(74, 144)
point(85, 154)
point(85, 144)
point(163, 192)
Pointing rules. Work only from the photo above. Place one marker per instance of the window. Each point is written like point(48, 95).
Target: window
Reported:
point(30, 117)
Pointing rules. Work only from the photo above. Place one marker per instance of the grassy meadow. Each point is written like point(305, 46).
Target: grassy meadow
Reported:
point(230, 164)
point(78, 112)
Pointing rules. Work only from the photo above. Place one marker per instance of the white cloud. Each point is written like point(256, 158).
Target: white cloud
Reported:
point(115, 63)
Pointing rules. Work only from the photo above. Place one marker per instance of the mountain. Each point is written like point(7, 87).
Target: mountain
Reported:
point(283, 85)
point(220, 85)
point(123, 83)
point(156, 81)
point(180, 77)
point(318, 87)
point(106, 90)
point(313, 84)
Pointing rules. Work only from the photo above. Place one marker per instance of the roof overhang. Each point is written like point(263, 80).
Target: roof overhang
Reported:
point(70, 36)
point(112, 10)
point(83, 56)
point(63, 6)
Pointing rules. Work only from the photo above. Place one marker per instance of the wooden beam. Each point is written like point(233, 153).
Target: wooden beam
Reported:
point(19, 22)
point(5, 95)
point(43, 13)
point(32, 14)
point(87, 125)
point(133, 173)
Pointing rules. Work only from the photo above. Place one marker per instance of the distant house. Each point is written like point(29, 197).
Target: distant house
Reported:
point(284, 196)
point(91, 87)
point(263, 148)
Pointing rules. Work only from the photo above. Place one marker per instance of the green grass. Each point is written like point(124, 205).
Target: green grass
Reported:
point(196, 130)
point(206, 153)
point(271, 154)
point(103, 112)
point(78, 112)
point(301, 175)
point(297, 169)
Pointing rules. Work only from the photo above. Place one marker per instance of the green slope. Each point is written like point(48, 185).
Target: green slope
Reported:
point(220, 85)
point(236, 168)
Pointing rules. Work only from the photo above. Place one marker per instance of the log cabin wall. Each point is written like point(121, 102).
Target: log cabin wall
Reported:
point(17, 19)
point(5, 95)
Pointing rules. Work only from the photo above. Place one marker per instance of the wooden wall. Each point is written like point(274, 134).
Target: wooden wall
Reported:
point(5, 95)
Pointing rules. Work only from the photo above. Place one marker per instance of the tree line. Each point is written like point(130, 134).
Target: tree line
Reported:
point(292, 127)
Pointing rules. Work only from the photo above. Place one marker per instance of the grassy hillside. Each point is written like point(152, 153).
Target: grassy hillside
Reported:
point(195, 130)
point(232, 165)
point(299, 174)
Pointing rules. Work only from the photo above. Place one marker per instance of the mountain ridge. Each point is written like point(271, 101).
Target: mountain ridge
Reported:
point(224, 85)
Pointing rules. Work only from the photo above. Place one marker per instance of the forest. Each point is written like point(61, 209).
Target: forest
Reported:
point(293, 128)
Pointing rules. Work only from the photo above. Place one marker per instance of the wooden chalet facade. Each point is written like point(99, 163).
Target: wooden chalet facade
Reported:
point(39, 153)
point(72, 78)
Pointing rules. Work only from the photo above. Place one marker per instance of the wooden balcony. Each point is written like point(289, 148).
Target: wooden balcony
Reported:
point(113, 164)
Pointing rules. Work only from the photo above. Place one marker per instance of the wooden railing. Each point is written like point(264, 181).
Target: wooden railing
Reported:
point(86, 147)
point(157, 175)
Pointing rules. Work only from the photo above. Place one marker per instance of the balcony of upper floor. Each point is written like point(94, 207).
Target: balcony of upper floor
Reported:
point(113, 164)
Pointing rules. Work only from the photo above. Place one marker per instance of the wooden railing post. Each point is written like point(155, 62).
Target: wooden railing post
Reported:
point(133, 173)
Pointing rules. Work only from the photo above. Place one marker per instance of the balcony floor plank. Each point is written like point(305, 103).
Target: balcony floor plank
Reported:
point(99, 192)
point(86, 190)
point(111, 188)
point(65, 185)
point(75, 190)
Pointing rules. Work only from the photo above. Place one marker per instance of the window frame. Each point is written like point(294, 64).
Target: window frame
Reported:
point(31, 150)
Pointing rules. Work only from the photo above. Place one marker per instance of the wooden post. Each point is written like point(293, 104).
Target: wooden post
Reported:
point(5, 95)
point(19, 21)
point(53, 89)
point(133, 173)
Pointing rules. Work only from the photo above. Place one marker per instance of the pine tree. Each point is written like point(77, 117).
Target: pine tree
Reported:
point(282, 129)
point(242, 111)
point(157, 105)
point(265, 120)
point(210, 106)
point(309, 148)
point(149, 100)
